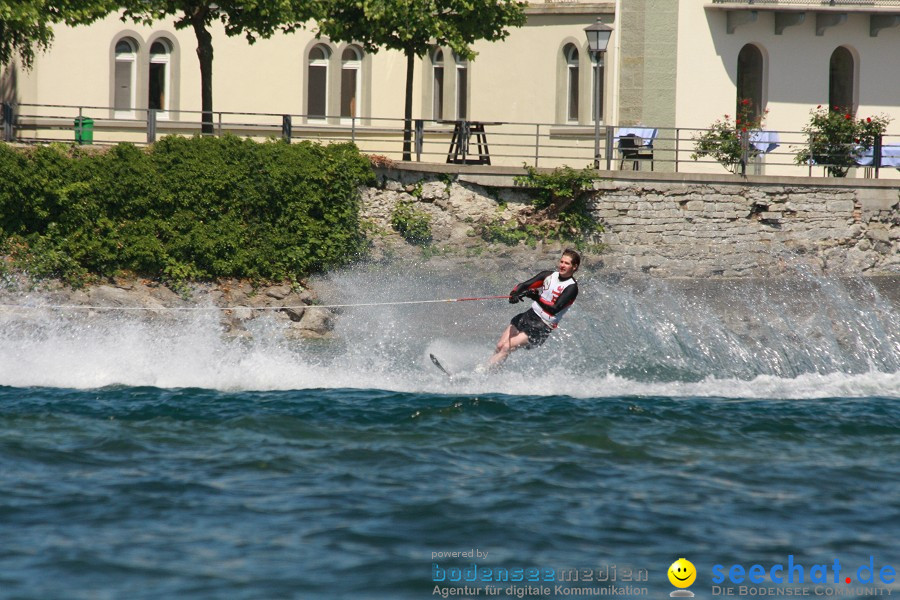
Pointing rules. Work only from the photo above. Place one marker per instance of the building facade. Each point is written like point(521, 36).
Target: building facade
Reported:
point(673, 66)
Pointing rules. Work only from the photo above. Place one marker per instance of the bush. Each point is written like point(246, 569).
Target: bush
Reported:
point(837, 140)
point(413, 224)
point(562, 201)
point(724, 140)
point(187, 208)
point(556, 187)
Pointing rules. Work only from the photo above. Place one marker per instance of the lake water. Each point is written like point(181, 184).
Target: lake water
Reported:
point(726, 423)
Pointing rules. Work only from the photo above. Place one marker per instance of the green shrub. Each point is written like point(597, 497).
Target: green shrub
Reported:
point(562, 199)
point(558, 186)
point(837, 140)
point(413, 224)
point(506, 232)
point(187, 208)
point(725, 140)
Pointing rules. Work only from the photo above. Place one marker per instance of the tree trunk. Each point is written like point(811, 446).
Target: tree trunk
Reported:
point(407, 111)
point(205, 54)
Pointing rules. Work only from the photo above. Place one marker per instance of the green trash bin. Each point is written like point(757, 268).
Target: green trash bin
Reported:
point(84, 130)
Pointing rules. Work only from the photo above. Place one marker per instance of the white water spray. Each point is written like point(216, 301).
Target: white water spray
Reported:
point(804, 337)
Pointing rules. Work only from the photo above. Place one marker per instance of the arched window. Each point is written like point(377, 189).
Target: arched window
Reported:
point(841, 81)
point(571, 54)
point(351, 63)
point(125, 78)
point(750, 80)
point(317, 82)
point(437, 88)
point(160, 75)
point(462, 87)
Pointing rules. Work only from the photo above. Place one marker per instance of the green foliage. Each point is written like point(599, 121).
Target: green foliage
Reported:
point(23, 29)
point(416, 26)
point(562, 196)
point(724, 140)
point(197, 208)
point(509, 232)
point(25, 25)
point(578, 228)
point(837, 140)
point(253, 19)
point(564, 183)
point(413, 224)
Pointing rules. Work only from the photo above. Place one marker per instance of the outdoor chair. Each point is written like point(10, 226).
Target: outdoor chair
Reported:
point(633, 149)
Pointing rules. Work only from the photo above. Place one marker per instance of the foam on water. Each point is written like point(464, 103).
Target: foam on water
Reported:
point(806, 337)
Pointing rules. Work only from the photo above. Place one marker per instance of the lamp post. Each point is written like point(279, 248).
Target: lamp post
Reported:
point(598, 36)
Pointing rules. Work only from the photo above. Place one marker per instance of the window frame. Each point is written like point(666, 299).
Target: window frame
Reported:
point(572, 58)
point(354, 65)
point(757, 96)
point(438, 89)
point(851, 81)
point(461, 92)
point(131, 59)
point(324, 63)
point(165, 60)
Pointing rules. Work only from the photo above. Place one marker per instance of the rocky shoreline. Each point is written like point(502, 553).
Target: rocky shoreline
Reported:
point(688, 233)
point(236, 302)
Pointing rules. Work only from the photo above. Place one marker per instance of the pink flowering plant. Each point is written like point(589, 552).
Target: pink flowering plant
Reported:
point(726, 141)
point(837, 140)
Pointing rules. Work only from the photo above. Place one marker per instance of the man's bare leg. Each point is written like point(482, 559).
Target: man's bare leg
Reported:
point(510, 339)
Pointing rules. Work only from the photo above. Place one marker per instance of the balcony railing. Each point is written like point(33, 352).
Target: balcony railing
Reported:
point(510, 144)
point(814, 3)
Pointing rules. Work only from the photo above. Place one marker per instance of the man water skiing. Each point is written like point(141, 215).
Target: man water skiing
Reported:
point(552, 292)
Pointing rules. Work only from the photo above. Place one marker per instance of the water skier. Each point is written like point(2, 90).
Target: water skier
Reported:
point(552, 292)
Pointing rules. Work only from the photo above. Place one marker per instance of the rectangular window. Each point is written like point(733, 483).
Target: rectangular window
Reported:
point(462, 93)
point(348, 92)
point(573, 94)
point(317, 81)
point(157, 99)
point(122, 101)
point(438, 91)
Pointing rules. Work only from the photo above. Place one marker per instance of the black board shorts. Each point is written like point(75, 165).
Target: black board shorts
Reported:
point(532, 325)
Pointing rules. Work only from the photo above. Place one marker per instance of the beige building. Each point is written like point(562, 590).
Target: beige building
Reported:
point(671, 68)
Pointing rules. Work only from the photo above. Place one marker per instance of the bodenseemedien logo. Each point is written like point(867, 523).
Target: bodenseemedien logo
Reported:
point(682, 574)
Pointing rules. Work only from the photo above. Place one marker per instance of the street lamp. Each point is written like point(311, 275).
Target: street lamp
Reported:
point(598, 36)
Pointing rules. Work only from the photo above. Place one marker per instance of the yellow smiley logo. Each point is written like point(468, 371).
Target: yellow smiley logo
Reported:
point(682, 573)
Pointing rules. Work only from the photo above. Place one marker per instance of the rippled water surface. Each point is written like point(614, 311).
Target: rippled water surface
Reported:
point(728, 425)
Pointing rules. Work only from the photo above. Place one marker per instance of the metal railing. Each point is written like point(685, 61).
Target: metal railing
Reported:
point(874, 3)
point(462, 142)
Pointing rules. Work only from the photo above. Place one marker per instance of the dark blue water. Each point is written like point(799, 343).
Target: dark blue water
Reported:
point(150, 493)
point(146, 459)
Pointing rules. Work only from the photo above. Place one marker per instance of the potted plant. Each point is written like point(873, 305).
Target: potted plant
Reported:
point(727, 141)
point(837, 140)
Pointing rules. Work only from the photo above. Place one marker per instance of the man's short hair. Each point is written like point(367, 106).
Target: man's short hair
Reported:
point(573, 255)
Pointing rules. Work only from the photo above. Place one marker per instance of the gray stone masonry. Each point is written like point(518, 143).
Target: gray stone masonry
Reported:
point(704, 229)
point(675, 227)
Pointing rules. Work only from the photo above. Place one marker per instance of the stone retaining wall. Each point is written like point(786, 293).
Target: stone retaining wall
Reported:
point(742, 230)
point(670, 226)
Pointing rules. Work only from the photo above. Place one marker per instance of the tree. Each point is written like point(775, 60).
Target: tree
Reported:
point(415, 26)
point(252, 18)
point(25, 25)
